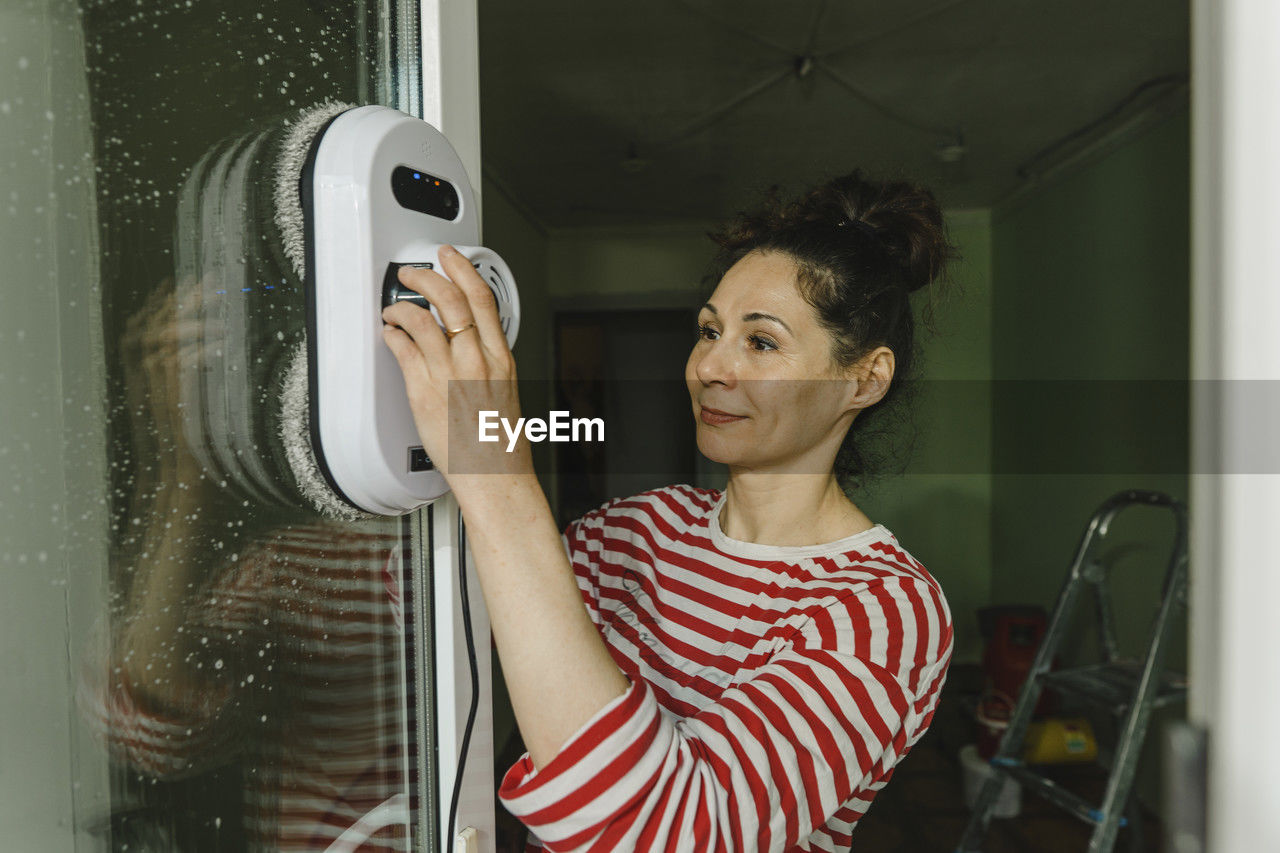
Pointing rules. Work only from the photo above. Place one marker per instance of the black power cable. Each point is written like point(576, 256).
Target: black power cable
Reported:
point(475, 681)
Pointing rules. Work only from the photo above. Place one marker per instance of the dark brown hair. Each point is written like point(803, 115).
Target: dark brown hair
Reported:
point(860, 247)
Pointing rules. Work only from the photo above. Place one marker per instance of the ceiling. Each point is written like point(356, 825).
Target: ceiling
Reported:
point(636, 113)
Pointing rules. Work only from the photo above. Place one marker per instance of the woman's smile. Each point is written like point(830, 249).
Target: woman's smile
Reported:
point(715, 417)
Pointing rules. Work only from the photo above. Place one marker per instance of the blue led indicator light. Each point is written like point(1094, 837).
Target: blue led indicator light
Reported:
point(416, 176)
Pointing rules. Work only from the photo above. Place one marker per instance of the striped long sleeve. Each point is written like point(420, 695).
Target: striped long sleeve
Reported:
point(772, 689)
point(302, 685)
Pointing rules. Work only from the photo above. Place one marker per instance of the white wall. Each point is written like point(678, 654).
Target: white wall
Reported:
point(1235, 410)
point(52, 475)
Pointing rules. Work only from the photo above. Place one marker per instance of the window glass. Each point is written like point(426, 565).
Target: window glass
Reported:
point(235, 657)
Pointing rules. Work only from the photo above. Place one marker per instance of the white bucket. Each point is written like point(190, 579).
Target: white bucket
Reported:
point(976, 770)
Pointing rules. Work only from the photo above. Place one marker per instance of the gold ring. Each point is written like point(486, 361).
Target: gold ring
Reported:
point(449, 333)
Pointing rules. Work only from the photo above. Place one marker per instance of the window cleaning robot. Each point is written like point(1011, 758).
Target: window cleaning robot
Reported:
point(289, 240)
point(379, 189)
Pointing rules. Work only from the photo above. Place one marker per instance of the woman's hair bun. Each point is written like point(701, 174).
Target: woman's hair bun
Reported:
point(904, 217)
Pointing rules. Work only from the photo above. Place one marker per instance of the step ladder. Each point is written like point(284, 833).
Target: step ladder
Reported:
point(1130, 690)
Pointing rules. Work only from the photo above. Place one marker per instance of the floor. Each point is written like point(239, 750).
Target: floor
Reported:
point(922, 810)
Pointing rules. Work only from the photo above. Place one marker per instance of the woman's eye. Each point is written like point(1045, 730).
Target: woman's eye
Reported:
point(757, 343)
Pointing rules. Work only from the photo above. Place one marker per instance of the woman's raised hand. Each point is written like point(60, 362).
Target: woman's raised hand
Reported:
point(454, 373)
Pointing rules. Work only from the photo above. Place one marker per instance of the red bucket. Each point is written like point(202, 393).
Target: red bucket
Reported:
point(992, 715)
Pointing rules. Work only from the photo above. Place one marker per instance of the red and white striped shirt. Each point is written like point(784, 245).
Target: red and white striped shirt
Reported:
point(773, 689)
point(303, 685)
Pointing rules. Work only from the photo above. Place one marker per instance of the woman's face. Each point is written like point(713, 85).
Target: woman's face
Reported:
point(763, 360)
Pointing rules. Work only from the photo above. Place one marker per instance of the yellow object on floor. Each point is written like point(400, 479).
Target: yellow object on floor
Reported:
point(1060, 741)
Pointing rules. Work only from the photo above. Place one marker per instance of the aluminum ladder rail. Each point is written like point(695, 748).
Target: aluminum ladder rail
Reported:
point(1131, 692)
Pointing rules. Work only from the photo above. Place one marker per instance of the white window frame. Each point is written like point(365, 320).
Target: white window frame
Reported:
point(1234, 549)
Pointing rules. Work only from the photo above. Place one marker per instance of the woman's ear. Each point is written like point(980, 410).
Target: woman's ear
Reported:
point(871, 377)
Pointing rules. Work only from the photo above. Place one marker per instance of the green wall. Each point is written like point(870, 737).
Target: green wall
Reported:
point(1091, 357)
point(940, 507)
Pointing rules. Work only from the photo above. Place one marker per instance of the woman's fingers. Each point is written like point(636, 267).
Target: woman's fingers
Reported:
point(410, 358)
point(451, 304)
point(461, 298)
point(483, 304)
point(421, 330)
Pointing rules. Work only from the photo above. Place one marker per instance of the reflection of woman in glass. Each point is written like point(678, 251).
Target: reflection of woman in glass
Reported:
point(750, 664)
point(248, 644)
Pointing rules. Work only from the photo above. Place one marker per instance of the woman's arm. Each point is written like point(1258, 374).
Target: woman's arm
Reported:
point(159, 674)
point(157, 686)
point(163, 642)
point(181, 516)
point(558, 670)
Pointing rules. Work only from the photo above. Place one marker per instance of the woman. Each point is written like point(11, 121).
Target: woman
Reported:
point(750, 664)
